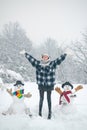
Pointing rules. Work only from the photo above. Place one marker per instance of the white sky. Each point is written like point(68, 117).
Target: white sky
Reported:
point(61, 20)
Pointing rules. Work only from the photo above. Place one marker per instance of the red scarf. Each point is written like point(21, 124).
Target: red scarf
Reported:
point(65, 94)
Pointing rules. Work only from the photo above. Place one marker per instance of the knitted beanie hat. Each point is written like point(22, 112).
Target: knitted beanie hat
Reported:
point(45, 55)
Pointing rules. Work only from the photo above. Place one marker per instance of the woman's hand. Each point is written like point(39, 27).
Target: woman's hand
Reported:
point(22, 52)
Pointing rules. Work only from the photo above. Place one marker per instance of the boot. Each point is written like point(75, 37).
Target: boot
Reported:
point(49, 115)
point(40, 114)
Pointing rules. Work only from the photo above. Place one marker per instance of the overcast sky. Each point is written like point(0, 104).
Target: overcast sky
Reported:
point(61, 20)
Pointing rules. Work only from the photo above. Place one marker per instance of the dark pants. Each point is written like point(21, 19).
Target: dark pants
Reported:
point(41, 92)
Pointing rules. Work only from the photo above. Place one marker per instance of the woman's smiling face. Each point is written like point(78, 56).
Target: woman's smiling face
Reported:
point(45, 57)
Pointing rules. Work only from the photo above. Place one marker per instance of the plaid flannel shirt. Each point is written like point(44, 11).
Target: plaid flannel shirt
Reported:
point(45, 75)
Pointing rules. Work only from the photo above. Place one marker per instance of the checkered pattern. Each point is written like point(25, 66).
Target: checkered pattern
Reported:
point(45, 75)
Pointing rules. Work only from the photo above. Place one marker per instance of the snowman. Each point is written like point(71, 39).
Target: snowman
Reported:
point(67, 94)
point(18, 106)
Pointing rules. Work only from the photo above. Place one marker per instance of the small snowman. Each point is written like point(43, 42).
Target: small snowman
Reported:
point(67, 95)
point(18, 105)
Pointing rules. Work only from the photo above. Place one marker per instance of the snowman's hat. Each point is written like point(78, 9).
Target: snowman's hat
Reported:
point(67, 83)
point(18, 82)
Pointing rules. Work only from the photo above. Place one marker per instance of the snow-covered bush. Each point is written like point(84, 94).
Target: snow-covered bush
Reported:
point(9, 75)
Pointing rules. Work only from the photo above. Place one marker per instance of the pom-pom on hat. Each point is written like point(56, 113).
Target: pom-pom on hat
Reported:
point(18, 82)
point(67, 83)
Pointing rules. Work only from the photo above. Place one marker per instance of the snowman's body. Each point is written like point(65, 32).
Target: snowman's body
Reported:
point(18, 106)
point(66, 101)
point(67, 96)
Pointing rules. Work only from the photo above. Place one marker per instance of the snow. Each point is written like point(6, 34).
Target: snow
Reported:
point(71, 117)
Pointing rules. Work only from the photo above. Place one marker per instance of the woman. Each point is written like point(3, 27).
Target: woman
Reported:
point(45, 77)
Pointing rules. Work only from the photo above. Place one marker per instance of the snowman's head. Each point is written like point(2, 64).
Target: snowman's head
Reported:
point(18, 85)
point(67, 86)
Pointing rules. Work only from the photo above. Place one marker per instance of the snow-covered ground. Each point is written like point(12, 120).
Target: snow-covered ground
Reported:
point(69, 118)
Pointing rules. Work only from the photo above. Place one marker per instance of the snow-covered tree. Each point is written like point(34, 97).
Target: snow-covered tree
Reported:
point(50, 47)
point(80, 56)
point(13, 39)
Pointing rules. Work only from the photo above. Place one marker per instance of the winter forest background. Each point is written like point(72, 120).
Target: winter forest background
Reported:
point(54, 27)
point(13, 39)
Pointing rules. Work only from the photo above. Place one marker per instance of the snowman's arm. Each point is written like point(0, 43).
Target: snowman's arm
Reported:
point(57, 89)
point(78, 88)
point(73, 95)
point(10, 91)
point(28, 95)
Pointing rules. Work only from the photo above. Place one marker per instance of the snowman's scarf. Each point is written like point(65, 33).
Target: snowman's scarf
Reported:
point(65, 94)
point(19, 93)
